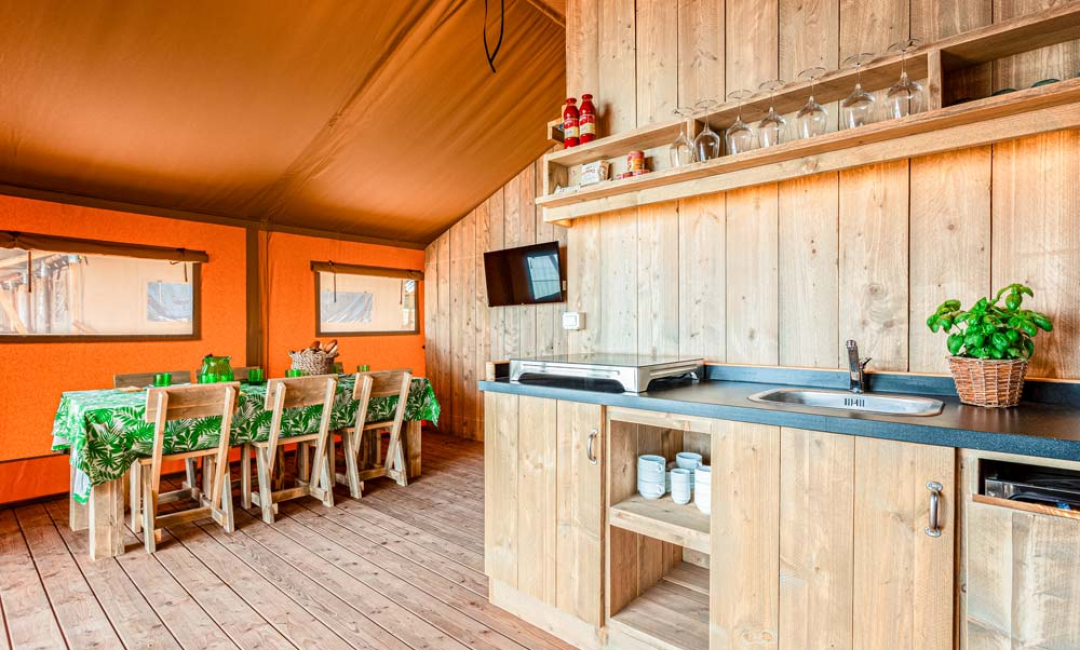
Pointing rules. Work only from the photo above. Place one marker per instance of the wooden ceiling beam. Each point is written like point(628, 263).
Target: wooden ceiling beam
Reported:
point(553, 9)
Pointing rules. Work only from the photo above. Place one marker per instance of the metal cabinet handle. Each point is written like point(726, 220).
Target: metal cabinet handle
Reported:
point(589, 447)
point(934, 529)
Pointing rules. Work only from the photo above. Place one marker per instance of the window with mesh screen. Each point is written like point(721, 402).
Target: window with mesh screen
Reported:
point(57, 294)
point(350, 302)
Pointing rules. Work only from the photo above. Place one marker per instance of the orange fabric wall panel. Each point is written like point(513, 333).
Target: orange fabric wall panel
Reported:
point(33, 375)
point(34, 477)
point(291, 304)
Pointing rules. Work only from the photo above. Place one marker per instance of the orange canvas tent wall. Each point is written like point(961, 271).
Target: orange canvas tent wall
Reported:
point(33, 375)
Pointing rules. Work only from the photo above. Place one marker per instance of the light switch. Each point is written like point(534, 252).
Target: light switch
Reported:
point(573, 320)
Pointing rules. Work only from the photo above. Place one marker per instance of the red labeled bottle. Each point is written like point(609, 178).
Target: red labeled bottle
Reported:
point(587, 120)
point(570, 124)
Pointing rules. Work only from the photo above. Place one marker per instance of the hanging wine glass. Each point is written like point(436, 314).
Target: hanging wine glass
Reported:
point(682, 152)
point(771, 127)
point(906, 96)
point(707, 143)
point(739, 136)
point(812, 119)
point(857, 109)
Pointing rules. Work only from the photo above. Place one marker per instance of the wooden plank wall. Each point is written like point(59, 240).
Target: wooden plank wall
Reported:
point(785, 273)
point(463, 332)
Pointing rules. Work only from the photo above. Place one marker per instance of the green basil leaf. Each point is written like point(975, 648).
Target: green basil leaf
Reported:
point(955, 342)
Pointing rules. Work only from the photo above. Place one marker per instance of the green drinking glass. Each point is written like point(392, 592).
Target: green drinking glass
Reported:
point(294, 372)
point(363, 368)
point(255, 375)
point(162, 379)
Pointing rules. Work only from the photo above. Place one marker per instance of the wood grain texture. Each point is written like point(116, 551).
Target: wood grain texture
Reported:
point(500, 487)
point(496, 241)
point(702, 277)
point(580, 492)
point(584, 284)
point(616, 97)
point(898, 568)
point(462, 313)
point(753, 51)
point(442, 377)
point(1020, 71)
point(582, 48)
point(702, 37)
point(744, 572)
point(1021, 586)
point(657, 51)
point(752, 276)
point(615, 322)
point(808, 271)
point(536, 502)
point(872, 25)
point(482, 315)
point(816, 539)
point(1037, 176)
point(950, 233)
point(874, 262)
point(658, 308)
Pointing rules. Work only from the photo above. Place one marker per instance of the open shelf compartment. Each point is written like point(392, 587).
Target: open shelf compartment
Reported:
point(673, 613)
point(658, 551)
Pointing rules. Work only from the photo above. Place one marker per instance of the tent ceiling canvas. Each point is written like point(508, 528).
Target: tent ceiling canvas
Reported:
point(371, 118)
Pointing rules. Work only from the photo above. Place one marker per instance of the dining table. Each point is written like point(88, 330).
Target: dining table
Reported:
point(105, 431)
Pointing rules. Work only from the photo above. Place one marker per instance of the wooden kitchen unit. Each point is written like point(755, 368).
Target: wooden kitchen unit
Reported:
point(814, 540)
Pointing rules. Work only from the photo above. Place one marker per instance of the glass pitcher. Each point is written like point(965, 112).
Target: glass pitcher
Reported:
point(215, 369)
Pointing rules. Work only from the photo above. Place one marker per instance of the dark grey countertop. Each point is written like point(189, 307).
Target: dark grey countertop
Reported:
point(1045, 429)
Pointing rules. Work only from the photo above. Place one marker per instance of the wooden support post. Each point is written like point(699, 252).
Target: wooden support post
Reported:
point(106, 520)
point(78, 513)
point(412, 447)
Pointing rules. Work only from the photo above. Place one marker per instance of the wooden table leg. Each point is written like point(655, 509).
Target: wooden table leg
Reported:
point(106, 519)
point(78, 513)
point(412, 447)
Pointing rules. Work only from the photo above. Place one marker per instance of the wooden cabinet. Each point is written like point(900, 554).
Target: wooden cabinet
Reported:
point(1022, 569)
point(826, 541)
point(543, 505)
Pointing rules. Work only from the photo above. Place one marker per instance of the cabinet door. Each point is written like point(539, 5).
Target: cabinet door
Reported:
point(500, 487)
point(903, 576)
point(579, 487)
point(1023, 579)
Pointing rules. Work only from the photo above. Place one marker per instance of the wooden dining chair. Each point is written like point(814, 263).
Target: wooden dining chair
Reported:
point(164, 405)
point(314, 479)
point(144, 379)
point(362, 443)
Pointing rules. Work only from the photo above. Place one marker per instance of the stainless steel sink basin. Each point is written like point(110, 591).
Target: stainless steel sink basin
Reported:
point(848, 401)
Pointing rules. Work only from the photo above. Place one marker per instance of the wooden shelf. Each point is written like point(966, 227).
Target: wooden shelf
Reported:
point(663, 519)
point(994, 119)
point(673, 614)
point(940, 129)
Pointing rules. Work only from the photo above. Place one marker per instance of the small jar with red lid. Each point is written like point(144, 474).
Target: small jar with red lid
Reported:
point(587, 120)
point(570, 116)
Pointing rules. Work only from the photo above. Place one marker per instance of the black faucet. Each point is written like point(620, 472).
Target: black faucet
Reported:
point(856, 367)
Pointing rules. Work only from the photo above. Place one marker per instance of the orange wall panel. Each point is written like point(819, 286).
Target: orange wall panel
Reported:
point(33, 375)
point(291, 291)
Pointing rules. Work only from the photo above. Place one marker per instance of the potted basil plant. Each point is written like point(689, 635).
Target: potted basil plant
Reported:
point(990, 345)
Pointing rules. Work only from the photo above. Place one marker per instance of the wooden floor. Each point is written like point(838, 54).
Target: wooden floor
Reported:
point(402, 568)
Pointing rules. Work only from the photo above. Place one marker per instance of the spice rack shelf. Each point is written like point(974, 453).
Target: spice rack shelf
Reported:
point(939, 129)
point(663, 519)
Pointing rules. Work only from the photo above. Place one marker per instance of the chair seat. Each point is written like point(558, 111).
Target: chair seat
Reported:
point(308, 437)
point(199, 453)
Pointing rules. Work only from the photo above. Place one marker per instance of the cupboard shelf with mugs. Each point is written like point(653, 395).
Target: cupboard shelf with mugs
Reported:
point(659, 497)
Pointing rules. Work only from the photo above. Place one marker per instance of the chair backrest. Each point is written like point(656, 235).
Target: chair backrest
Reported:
point(386, 383)
point(193, 401)
point(143, 379)
point(301, 391)
point(242, 373)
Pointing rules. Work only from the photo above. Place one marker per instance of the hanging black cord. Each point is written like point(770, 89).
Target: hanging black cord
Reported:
point(502, 24)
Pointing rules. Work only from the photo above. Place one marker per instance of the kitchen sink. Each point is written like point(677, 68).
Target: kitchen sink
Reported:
point(848, 401)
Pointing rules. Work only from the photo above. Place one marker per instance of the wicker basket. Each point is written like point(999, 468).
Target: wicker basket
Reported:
point(988, 382)
point(313, 362)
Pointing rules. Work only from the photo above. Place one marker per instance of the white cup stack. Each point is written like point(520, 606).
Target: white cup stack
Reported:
point(703, 489)
point(651, 476)
point(681, 489)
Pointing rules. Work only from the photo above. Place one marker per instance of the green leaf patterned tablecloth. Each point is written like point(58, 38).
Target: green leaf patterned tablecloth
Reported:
point(105, 430)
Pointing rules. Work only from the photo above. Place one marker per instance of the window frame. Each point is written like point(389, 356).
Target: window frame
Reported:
point(318, 268)
point(72, 246)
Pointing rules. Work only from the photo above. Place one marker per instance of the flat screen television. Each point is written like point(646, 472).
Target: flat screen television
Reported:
point(526, 275)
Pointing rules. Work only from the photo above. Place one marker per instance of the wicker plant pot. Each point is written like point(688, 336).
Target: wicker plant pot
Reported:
point(988, 382)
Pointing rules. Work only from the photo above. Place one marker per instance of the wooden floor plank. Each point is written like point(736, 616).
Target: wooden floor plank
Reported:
point(80, 616)
point(30, 619)
point(131, 616)
point(401, 569)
